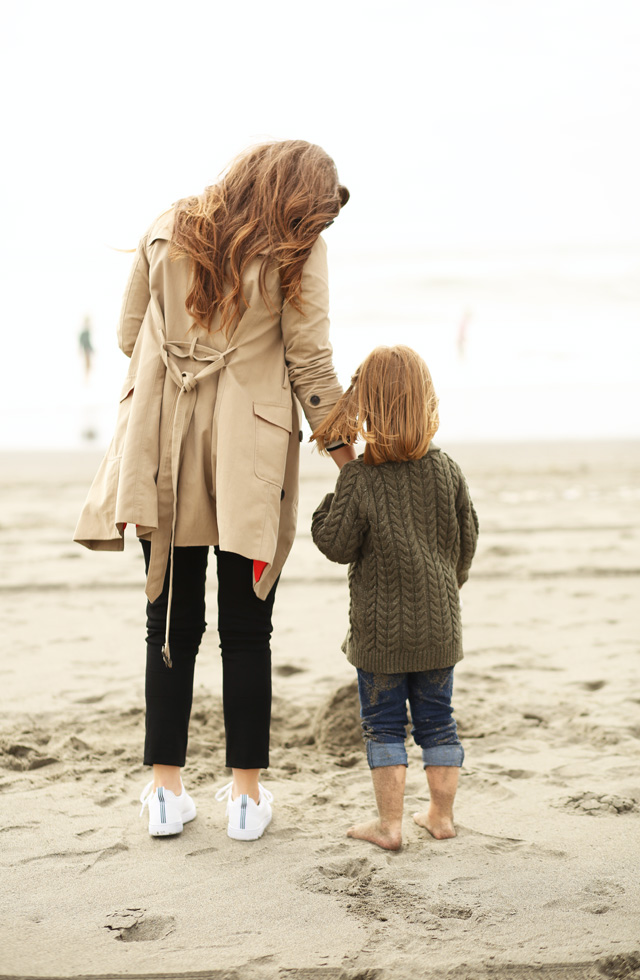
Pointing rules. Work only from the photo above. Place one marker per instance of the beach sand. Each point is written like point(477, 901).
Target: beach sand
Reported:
point(542, 880)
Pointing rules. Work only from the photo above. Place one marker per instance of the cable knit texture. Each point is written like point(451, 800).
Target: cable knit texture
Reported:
point(409, 531)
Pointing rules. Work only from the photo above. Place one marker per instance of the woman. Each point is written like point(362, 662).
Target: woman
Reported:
point(225, 321)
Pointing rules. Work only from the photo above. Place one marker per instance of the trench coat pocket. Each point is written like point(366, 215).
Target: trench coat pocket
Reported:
point(127, 387)
point(273, 428)
point(122, 421)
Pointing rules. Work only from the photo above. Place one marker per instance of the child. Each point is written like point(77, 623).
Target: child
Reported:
point(402, 517)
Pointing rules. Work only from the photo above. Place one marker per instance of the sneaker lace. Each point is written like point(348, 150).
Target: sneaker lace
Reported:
point(265, 792)
point(146, 795)
point(225, 791)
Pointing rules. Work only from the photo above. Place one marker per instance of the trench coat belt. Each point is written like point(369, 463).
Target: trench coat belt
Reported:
point(163, 540)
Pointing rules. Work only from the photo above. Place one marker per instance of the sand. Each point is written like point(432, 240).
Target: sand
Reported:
point(542, 880)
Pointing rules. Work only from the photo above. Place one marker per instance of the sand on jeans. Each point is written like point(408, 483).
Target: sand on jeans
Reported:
point(542, 880)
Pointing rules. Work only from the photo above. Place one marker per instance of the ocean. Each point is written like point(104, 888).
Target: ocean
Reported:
point(521, 344)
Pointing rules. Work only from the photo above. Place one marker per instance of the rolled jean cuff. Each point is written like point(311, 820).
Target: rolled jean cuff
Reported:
point(381, 754)
point(443, 755)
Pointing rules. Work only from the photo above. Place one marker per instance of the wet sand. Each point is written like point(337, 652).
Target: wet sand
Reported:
point(542, 879)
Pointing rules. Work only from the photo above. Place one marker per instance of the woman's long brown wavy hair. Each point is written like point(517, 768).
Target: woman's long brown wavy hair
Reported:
point(391, 403)
point(273, 200)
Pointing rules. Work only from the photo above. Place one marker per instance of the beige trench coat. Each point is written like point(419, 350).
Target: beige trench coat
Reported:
point(207, 438)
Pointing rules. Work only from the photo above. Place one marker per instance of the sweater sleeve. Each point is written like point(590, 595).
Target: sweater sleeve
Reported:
point(337, 526)
point(468, 524)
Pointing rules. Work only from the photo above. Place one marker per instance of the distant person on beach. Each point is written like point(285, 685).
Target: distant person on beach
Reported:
point(463, 334)
point(225, 319)
point(402, 517)
point(86, 347)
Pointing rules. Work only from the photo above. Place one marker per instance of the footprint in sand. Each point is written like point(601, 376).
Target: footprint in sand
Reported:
point(102, 853)
point(139, 926)
point(108, 852)
point(371, 893)
point(603, 888)
point(490, 789)
point(352, 868)
point(510, 773)
point(22, 758)
point(19, 826)
point(451, 912)
point(199, 853)
point(287, 670)
point(620, 966)
point(506, 845)
point(348, 878)
point(490, 841)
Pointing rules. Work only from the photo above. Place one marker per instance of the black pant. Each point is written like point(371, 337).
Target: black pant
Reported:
point(244, 626)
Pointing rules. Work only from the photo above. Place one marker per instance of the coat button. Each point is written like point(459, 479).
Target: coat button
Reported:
point(315, 399)
point(282, 495)
point(300, 436)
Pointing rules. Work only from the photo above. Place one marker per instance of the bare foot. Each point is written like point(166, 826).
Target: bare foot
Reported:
point(373, 831)
point(439, 825)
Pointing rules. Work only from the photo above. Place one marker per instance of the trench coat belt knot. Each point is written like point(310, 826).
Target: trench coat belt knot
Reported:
point(163, 540)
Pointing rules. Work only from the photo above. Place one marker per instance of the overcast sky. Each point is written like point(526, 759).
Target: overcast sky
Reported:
point(461, 122)
point(456, 124)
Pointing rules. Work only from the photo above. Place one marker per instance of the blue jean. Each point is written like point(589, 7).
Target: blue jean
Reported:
point(383, 709)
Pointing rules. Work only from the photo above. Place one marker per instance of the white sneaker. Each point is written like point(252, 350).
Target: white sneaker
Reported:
point(248, 820)
point(167, 812)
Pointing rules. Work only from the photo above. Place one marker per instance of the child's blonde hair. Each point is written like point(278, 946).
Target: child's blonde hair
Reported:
point(390, 403)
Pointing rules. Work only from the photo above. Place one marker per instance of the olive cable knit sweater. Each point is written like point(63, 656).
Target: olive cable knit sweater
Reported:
point(409, 531)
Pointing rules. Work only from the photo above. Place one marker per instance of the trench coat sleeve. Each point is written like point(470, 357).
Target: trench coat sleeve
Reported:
point(468, 524)
point(308, 353)
point(135, 301)
point(338, 525)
